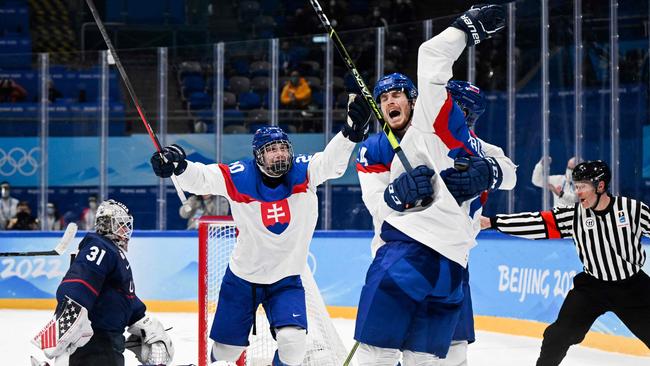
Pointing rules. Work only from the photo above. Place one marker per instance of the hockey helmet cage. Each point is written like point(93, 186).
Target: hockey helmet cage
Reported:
point(265, 139)
point(114, 221)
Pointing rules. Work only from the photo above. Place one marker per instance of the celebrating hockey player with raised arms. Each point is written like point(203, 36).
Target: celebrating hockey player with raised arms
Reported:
point(413, 295)
point(97, 301)
point(275, 207)
point(466, 185)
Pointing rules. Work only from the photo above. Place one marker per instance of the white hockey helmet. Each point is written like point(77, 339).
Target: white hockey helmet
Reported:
point(114, 221)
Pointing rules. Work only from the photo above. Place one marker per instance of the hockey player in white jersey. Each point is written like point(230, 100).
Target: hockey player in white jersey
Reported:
point(413, 295)
point(376, 155)
point(274, 205)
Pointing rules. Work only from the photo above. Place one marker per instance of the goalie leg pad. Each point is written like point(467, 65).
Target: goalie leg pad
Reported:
point(457, 355)
point(292, 344)
point(225, 352)
point(412, 358)
point(368, 355)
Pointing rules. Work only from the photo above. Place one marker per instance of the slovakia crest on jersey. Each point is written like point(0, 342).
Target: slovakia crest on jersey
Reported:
point(276, 215)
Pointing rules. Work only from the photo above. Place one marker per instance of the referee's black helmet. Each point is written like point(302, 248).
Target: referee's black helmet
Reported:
point(592, 171)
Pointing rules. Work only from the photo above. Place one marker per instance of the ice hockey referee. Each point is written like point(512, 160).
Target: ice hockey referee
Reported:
point(607, 233)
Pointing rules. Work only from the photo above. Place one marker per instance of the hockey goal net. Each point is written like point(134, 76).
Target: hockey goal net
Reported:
point(217, 238)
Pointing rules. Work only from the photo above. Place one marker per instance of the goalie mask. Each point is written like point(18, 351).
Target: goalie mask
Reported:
point(114, 222)
point(273, 151)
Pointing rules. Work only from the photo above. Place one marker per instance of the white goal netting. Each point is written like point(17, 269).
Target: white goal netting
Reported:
point(217, 238)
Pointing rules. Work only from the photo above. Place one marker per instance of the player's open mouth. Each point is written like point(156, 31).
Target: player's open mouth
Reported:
point(394, 113)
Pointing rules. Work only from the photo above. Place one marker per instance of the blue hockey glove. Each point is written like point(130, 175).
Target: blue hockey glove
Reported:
point(481, 22)
point(407, 189)
point(472, 175)
point(173, 154)
point(358, 122)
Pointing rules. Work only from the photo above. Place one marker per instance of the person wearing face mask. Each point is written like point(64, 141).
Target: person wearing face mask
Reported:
point(23, 219)
point(54, 219)
point(296, 93)
point(202, 205)
point(8, 205)
point(88, 214)
point(274, 204)
point(606, 231)
point(564, 193)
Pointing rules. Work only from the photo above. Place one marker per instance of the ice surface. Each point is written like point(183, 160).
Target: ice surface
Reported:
point(490, 349)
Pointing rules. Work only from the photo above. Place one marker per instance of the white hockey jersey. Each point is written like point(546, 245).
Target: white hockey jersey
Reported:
point(373, 167)
point(275, 225)
point(434, 139)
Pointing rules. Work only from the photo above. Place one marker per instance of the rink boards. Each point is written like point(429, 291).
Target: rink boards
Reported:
point(517, 285)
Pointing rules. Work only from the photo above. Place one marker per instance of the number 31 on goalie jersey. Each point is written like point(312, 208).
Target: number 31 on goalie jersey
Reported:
point(92, 256)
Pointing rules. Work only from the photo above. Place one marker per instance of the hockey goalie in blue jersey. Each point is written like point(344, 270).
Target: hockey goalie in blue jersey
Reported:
point(274, 205)
point(97, 301)
point(415, 288)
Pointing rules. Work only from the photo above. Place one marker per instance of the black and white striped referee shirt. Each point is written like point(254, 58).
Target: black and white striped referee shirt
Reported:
point(608, 242)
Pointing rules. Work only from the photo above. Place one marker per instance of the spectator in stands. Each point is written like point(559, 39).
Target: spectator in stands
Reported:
point(564, 193)
point(54, 219)
point(287, 61)
point(24, 219)
point(296, 93)
point(403, 12)
point(52, 92)
point(377, 19)
point(205, 205)
point(11, 91)
point(88, 214)
point(300, 22)
point(8, 205)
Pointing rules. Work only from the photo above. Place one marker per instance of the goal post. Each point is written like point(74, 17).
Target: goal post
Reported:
point(217, 238)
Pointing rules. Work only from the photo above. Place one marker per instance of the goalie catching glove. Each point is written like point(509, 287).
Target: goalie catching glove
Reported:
point(409, 188)
point(69, 330)
point(176, 164)
point(472, 175)
point(481, 22)
point(151, 343)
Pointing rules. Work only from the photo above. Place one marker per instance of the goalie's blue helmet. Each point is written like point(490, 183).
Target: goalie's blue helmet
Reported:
point(395, 81)
point(469, 98)
point(265, 139)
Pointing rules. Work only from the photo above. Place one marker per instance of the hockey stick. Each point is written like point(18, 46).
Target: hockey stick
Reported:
point(361, 84)
point(394, 144)
point(60, 248)
point(134, 97)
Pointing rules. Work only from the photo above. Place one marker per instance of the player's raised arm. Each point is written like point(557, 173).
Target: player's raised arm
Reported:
point(332, 162)
point(437, 56)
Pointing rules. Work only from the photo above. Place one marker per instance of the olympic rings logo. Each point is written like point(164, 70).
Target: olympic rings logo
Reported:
point(19, 160)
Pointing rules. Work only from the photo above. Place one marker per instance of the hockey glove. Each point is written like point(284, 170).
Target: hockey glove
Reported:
point(481, 22)
point(69, 330)
point(358, 122)
point(173, 154)
point(152, 344)
point(407, 189)
point(472, 175)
